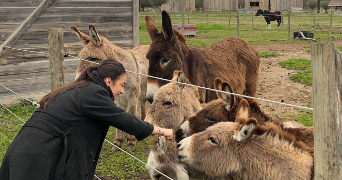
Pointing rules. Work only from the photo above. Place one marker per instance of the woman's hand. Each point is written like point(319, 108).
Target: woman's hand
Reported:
point(168, 133)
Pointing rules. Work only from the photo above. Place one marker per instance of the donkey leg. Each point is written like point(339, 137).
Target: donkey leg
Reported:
point(131, 140)
point(118, 139)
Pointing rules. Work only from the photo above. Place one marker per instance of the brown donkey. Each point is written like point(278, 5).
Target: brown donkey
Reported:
point(98, 49)
point(232, 59)
point(236, 149)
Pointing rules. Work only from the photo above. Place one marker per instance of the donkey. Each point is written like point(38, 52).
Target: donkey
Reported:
point(270, 16)
point(164, 158)
point(232, 59)
point(234, 148)
point(98, 49)
point(220, 110)
point(174, 103)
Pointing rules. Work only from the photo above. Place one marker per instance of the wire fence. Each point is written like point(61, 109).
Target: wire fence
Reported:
point(34, 103)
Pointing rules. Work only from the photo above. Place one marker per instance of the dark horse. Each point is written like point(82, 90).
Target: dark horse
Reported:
point(270, 16)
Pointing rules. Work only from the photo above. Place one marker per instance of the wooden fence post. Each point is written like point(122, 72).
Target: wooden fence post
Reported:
point(56, 57)
point(230, 17)
point(252, 22)
point(331, 18)
point(289, 26)
point(282, 21)
point(237, 17)
point(327, 98)
point(314, 15)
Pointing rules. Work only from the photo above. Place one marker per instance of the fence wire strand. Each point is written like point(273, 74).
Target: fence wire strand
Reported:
point(200, 87)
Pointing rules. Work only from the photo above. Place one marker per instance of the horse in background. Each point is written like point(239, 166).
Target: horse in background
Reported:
point(270, 16)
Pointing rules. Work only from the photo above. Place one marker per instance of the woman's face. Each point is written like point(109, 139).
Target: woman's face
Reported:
point(117, 87)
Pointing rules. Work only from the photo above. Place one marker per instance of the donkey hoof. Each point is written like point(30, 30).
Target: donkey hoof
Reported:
point(131, 148)
point(115, 149)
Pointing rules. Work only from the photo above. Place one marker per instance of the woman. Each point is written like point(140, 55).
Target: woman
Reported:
point(63, 138)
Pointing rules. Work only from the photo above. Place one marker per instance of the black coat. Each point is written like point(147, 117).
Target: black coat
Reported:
point(64, 141)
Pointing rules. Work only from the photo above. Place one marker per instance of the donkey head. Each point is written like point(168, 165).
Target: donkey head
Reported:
point(207, 151)
point(173, 103)
point(164, 158)
point(96, 49)
point(166, 54)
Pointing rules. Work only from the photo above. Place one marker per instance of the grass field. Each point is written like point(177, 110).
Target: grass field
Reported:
point(219, 28)
point(120, 166)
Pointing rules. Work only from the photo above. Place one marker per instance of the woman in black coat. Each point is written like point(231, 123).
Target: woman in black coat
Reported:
point(63, 138)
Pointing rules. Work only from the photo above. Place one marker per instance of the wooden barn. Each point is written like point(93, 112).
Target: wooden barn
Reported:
point(337, 5)
point(176, 6)
point(118, 20)
point(219, 5)
point(274, 5)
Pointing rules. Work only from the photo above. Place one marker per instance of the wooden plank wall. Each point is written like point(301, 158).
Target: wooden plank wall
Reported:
point(276, 5)
point(219, 5)
point(176, 6)
point(285, 5)
point(113, 19)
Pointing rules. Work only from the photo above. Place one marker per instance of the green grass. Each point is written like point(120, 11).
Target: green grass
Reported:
point(297, 64)
point(268, 54)
point(217, 27)
point(10, 125)
point(340, 48)
point(304, 75)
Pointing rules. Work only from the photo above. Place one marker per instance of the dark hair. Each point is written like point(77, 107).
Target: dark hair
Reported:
point(107, 69)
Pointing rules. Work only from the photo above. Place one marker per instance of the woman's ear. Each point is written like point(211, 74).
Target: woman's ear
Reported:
point(108, 81)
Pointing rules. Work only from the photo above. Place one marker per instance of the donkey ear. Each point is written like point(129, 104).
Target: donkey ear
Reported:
point(242, 113)
point(218, 85)
point(246, 130)
point(228, 98)
point(179, 76)
point(94, 35)
point(167, 26)
point(161, 147)
point(81, 36)
point(151, 27)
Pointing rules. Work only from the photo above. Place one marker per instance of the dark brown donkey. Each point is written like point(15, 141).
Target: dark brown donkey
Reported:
point(232, 59)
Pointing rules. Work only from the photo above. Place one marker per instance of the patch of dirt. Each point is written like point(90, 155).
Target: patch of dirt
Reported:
point(274, 81)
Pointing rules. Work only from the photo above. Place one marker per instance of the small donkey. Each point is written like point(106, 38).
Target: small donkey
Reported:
point(234, 148)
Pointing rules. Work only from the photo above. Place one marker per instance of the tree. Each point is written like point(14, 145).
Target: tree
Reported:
point(318, 5)
point(145, 3)
point(312, 4)
point(325, 6)
point(158, 3)
point(198, 4)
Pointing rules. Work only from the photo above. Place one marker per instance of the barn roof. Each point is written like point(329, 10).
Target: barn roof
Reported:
point(335, 3)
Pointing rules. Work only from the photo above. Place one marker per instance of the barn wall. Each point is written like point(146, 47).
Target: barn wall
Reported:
point(219, 5)
point(112, 18)
point(263, 4)
point(276, 5)
point(176, 6)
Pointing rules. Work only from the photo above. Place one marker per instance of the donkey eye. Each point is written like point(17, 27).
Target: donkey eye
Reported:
point(210, 119)
point(93, 59)
point(167, 104)
point(165, 61)
point(212, 140)
point(157, 176)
